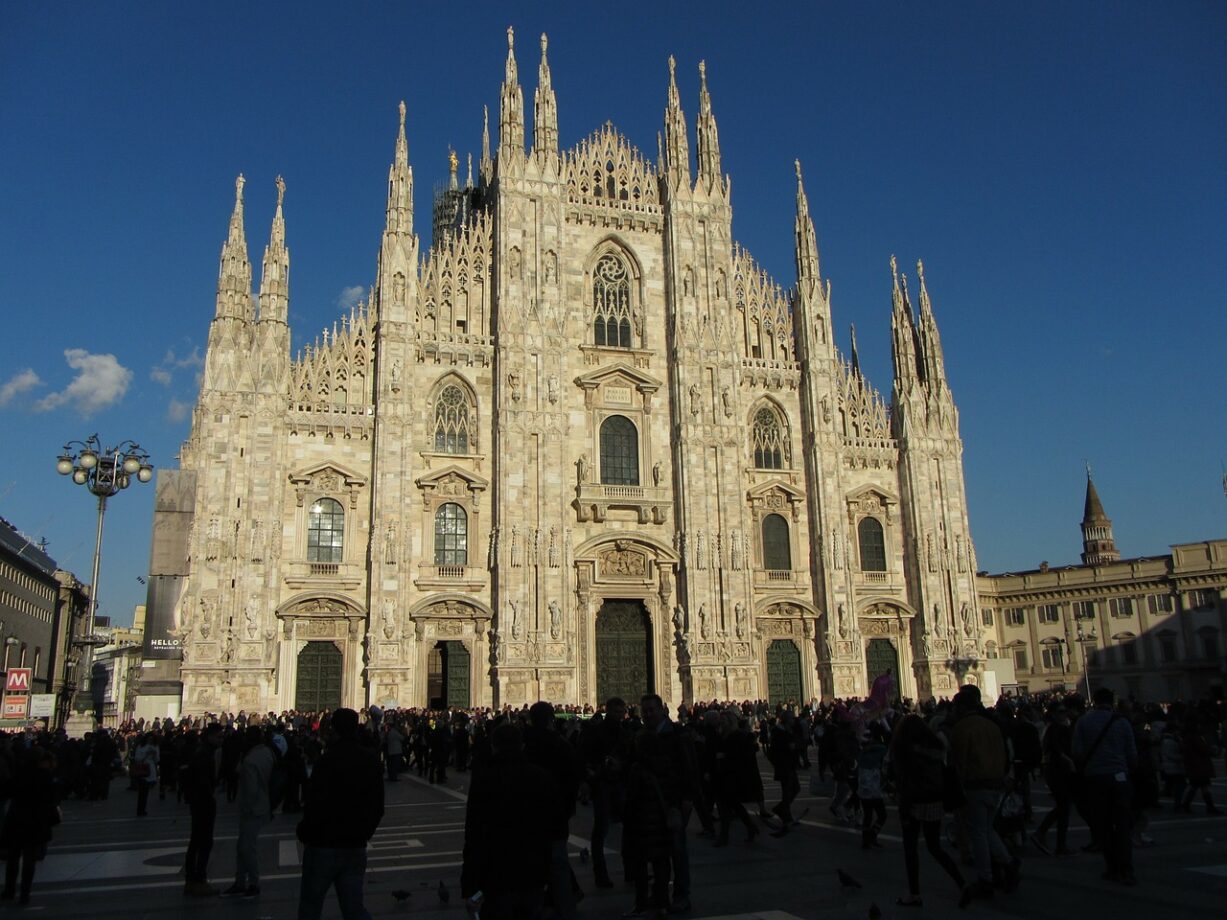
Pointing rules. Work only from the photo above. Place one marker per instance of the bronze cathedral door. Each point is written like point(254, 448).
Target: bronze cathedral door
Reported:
point(783, 672)
point(623, 652)
point(880, 655)
point(319, 678)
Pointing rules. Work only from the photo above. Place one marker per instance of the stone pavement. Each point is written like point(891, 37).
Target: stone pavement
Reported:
point(105, 862)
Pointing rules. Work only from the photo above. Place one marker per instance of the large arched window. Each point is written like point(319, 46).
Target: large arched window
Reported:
point(325, 531)
point(770, 443)
point(452, 418)
point(451, 535)
point(873, 545)
point(777, 553)
point(611, 303)
point(619, 452)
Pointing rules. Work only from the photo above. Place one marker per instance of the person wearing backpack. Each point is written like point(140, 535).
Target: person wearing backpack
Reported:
point(255, 773)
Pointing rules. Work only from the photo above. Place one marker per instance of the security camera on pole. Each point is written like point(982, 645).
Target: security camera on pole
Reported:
point(106, 473)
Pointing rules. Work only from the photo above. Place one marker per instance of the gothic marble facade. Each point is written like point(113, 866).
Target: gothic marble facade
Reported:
point(585, 392)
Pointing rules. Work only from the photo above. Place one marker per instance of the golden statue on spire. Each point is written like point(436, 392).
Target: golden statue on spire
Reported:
point(453, 161)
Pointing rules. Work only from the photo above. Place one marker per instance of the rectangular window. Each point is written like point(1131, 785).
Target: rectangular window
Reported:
point(1050, 613)
point(1160, 604)
point(1203, 599)
point(1121, 606)
point(1209, 643)
point(986, 615)
point(1016, 616)
point(1052, 657)
point(1129, 652)
point(1167, 648)
point(1084, 610)
point(1020, 659)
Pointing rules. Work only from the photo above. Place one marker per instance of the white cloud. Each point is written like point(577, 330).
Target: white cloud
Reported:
point(177, 411)
point(18, 384)
point(349, 297)
point(163, 371)
point(101, 381)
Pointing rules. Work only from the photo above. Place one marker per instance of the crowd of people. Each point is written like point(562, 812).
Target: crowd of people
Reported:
point(960, 774)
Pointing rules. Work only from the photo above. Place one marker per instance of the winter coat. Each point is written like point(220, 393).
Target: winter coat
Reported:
point(147, 754)
point(255, 774)
point(33, 811)
point(1171, 757)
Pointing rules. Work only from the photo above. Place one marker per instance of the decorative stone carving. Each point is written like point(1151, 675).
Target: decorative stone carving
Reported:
point(704, 622)
point(555, 620)
point(623, 563)
point(741, 619)
point(514, 606)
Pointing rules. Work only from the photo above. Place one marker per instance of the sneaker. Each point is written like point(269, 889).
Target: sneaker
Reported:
point(234, 891)
point(1038, 842)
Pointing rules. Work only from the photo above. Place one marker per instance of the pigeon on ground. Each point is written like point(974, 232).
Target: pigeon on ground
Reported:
point(583, 855)
point(401, 895)
point(847, 881)
point(445, 895)
point(875, 912)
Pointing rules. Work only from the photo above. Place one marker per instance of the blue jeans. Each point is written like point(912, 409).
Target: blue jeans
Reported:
point(324, 867)
point(986, 846)
point(247, 852)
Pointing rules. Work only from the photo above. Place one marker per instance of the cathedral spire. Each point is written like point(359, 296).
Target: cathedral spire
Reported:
point(511, 113)
point(485, 164)
point(806, 239)
point(677, 148)
point(903, 334)
point(545, 108)
point(856, 357)
point(400, 185)
point(1098, 544)
point(930, 339)
point(275, 274)
point(234, 275)
point(706, 139)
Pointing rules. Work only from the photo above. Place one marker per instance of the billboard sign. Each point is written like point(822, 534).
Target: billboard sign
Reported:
point(15, 706)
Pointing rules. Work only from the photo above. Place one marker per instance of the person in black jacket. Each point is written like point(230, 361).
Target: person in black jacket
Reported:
point(607, 746)
point(546, 748)
point(198, 785)
point(507, 828)
point(28, 823)
point(341, 812)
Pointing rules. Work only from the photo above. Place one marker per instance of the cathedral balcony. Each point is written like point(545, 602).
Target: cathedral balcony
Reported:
point(780, 580)
point(337, 575)
point(451, 577)
point(594, 501)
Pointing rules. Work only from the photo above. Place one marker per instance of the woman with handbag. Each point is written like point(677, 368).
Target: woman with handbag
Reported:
point(144, 769)
point(27, 826)
point(917, 763)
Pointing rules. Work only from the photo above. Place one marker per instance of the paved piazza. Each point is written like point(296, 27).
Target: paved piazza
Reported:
point(104, 862)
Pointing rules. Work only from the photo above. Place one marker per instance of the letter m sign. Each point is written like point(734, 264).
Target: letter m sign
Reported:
point(17, 680)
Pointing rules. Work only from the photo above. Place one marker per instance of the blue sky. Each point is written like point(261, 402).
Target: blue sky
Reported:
point(1059, 167)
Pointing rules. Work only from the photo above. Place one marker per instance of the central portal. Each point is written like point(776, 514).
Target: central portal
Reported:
point(318, 686)
point(447, 681)
point(623, 651)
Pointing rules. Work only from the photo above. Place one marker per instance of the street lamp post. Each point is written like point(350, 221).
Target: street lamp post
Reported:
point(1083, 640)
point(106, 473)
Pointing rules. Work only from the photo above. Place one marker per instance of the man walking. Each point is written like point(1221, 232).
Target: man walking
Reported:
point(1105, 750)
point(198, 789)
point(255, 807)
point(341, 811)
point(678, 788)
point(978, 753)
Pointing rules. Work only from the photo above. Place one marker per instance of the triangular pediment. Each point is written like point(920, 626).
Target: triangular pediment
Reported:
point(450, 474)
point(762, 490)
point(328, 469)
point(644, 383)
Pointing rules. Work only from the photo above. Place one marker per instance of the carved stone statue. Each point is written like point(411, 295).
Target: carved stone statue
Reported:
point(515, 618)
point(389, 617)
point(939, 626)
point(515, 546)
point(741, 620)
point(656, 474)
point(679, 619)
point(694, 400)
point(969, 620)
point(843, 621)
point(552, 388)
point(555, 620)
point(249, 617)
point(726, 400)
point(496, 648)
point(735, 551)
point(581, 468)
point(704, 622)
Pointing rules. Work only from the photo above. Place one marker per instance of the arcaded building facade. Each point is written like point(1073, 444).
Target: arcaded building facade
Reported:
point(582, 446)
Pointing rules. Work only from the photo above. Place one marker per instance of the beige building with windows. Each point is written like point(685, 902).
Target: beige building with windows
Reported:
point(582, 446)
point(1149, 628)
